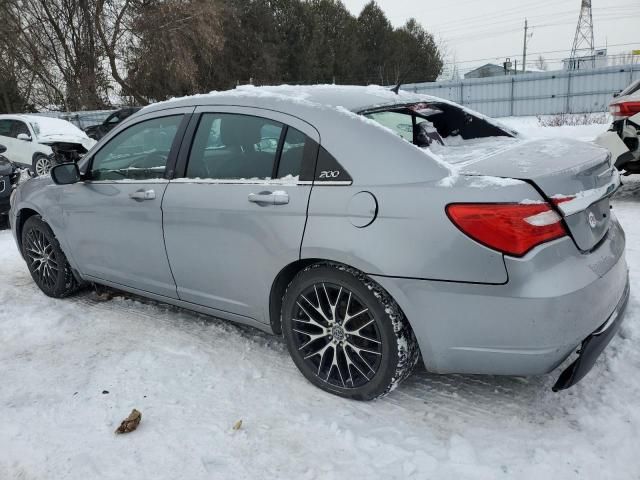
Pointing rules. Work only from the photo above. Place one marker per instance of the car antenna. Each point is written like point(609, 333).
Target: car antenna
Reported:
point(396, 89)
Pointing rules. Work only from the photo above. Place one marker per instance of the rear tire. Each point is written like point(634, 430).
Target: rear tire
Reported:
point(45, 259)
point(346, 334)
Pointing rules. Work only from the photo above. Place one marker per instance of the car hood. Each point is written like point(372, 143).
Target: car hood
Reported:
point(85, 141)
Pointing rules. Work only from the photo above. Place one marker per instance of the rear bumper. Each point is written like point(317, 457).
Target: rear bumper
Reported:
point(556, 297)
point(593, 346)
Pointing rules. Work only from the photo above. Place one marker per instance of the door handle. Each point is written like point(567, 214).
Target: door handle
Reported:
point(269, 198)
point(142, 195)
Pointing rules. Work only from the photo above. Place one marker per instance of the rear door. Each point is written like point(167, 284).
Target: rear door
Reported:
point(113, 220)
point(237, 216)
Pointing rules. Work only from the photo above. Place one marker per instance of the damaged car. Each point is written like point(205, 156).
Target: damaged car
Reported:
point(39, 142)
point(100, 130)
point(9, 177)
point(623, 138)
point(372, 230)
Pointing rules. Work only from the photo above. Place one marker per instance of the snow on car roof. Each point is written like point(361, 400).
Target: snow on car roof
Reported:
point(353, 98)
point(47, 126)
point(339, 97)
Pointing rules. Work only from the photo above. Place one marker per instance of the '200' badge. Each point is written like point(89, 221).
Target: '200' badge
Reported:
point(330, 174)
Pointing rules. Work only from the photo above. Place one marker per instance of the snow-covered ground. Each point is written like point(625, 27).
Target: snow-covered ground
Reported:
point(194, 377)
point(530, 126)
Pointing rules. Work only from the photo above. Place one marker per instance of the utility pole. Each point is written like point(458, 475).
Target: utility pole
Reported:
point(524, 51)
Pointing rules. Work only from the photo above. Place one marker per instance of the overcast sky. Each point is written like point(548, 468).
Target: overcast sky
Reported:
point(489, 31)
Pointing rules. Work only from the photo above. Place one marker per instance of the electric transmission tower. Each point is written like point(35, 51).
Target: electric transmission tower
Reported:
point(583, 42)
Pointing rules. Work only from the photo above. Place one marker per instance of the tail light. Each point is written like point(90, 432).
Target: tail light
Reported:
point(624, 109)
point(511, 228)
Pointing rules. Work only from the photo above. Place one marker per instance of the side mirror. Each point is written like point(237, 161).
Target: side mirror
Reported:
point(2, 149)
point(24, 137)
point(617, 94)
point(65, 174)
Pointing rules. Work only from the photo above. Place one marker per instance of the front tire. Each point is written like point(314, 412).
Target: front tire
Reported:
point(45, 259)
point(42, 165)
point(346, 334)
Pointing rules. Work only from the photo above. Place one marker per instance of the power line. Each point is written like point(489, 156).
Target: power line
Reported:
point(491, 33)
point(537, 53)
point(517, 19)
point(516, 13)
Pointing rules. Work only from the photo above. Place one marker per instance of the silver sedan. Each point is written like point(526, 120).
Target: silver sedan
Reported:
point(370, 229)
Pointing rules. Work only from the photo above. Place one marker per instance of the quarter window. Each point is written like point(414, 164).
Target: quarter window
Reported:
point(234, 147)
point(138, 153)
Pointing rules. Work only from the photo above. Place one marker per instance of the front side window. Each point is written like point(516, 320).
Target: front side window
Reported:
point(138, 153)
point(234, 147)
point(20, 127)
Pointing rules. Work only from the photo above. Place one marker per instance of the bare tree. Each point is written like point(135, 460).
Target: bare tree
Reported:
point(112, 22)
point(541, 63)
point(53, 43)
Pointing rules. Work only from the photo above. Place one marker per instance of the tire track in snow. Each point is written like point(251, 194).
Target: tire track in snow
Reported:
point(464, 396)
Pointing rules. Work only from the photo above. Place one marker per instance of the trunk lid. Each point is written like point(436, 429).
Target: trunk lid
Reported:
point(577, 177)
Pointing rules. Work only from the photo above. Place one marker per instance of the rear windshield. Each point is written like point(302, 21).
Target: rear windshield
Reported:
point(424, 124)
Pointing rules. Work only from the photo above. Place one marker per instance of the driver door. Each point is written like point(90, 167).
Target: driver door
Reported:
point(24, 148)
point(113, 219)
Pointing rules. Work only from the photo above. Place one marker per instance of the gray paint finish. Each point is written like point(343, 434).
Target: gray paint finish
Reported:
point(225, 251)
point(473, 309)
point(125, 246)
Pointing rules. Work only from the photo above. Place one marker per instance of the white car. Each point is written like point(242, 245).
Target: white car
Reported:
point(623, 138)
point(39, 142)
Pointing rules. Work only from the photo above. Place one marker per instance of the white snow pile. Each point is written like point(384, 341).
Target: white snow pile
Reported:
point(72, 369)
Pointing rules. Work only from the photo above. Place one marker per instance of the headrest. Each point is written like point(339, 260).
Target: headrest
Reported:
point(240, 130)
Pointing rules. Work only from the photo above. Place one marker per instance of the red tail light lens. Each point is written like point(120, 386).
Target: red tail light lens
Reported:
point(511, 228)
point(625, 109)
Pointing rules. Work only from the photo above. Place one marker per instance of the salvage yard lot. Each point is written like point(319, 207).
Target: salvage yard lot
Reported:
point(71, 370)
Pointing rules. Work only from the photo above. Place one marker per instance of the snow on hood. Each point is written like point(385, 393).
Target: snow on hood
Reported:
point(50, 130)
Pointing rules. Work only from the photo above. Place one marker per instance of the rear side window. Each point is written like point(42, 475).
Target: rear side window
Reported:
point(294, 149)
point(234, 147)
